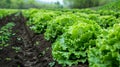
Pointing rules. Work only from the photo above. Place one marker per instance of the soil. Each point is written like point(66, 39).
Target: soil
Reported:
point(34, 50)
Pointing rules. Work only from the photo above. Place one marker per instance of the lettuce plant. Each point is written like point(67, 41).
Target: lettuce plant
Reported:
point(107, 50)
point(71, 48)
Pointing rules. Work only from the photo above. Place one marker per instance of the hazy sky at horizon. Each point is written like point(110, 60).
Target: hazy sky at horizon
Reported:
point(52, 1)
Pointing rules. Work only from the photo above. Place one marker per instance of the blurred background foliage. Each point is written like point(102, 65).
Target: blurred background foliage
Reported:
point(85, 3)
point(24, 4)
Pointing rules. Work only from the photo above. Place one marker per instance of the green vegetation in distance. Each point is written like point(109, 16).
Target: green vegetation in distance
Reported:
point(24, 4)
point(115, 6)
point(6, 12)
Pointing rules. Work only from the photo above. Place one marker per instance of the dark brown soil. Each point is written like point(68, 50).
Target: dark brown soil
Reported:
point(34, 51)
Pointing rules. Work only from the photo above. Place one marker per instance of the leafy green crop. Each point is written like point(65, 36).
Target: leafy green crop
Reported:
point(104, 21)
point(107, 50)
point(6, 12)
point(106, 12)
point(5, 33)
point(28, 13)
point(87, 11)
point(58, 25)
point(71, 48)
point(38, 21)
point(107, 21)
point(79, 36)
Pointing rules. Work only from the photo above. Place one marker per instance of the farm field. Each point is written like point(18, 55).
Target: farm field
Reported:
point(60, 37)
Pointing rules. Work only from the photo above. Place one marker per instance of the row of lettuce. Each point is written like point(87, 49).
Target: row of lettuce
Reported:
point(79, 36)
point(7, 12)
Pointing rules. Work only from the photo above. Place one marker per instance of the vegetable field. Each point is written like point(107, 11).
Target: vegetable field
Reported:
point(59, 38)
